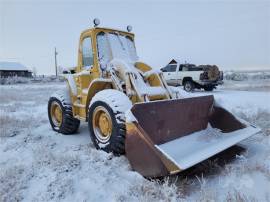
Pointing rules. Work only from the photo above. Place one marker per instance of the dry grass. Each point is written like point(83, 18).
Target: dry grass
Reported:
point(19, 108)
point(260, 119)
point(236, 196)
point(9, 126)
point(155, 190)
point(13, 181)
point(12, 126)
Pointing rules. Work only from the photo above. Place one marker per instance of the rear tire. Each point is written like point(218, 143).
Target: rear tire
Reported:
point(67, 124)
point(189, 86)
point(208, 88)
point(109, 105)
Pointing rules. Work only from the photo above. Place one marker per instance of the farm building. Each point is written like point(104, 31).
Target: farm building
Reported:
point(10, 69)
point(174, 61)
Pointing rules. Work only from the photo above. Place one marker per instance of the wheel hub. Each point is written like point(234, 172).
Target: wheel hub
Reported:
point(56, 113)
point(188, 86)
point(102, 124)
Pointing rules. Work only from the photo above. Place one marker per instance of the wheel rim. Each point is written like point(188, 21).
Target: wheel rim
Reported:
point(102, 124)
point(188, 86)
point(56, 113)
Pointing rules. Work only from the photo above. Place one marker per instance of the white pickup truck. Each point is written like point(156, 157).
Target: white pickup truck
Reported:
point(191, 76)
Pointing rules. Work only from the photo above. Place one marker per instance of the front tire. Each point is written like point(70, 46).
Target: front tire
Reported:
point(106, 120)
point(209, 88)
point(60, 115)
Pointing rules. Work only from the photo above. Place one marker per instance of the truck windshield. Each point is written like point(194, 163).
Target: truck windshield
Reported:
point(115, 45)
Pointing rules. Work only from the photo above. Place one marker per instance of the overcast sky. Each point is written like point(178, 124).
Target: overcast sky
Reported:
point(232, 34)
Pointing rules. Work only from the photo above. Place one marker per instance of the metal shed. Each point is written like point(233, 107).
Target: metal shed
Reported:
point(11, 69)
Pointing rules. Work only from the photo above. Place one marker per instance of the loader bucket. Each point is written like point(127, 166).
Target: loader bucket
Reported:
point(166, 137)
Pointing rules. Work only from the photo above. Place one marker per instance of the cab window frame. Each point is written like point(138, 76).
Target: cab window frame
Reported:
point(87, 50)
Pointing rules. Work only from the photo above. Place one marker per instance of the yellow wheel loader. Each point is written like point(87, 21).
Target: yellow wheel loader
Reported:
point(131, 110)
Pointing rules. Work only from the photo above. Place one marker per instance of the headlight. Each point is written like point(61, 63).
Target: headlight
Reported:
point(129, 28)
point(96, 22)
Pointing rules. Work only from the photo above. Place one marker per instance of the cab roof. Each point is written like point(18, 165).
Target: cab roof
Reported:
point(98, 29)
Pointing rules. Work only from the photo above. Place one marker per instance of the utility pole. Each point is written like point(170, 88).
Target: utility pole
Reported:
point(55, 61)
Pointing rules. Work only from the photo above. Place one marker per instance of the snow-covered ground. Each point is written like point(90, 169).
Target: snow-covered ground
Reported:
point(37, 164)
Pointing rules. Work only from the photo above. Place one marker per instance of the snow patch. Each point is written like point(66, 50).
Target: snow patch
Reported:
point(39, 164)
point(141, 86)
point(117, 100)
point(191, 149)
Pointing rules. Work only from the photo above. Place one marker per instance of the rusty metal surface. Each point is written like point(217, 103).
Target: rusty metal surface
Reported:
point(224, 120)
point(142, 154)
point(164, 121)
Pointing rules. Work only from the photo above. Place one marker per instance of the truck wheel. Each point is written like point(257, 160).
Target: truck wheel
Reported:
point(189, 86)
point(208, 88)
point(106, 120)
point(60, 115)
